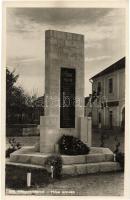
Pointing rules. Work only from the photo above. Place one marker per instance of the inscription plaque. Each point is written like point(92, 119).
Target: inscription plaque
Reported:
point(67, 98)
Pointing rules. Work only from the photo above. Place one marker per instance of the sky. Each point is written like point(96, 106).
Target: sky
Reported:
point(103, 28)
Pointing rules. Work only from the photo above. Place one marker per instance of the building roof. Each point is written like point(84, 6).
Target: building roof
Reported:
point(120, 64)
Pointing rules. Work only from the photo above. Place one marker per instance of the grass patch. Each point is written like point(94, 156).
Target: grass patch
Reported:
point(16, 177)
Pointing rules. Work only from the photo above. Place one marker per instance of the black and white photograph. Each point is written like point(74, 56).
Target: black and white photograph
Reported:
point(65, 88)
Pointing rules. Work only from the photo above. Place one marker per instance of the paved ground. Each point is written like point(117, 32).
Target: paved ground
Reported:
point(107, 184)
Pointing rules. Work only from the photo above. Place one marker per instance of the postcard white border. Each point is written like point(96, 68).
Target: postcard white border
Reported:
point(60, 4)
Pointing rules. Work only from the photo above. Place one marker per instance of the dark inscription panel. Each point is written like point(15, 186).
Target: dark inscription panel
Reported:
point(67, 98)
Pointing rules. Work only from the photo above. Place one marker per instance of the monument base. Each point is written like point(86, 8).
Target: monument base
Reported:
point(50, 132)
point(98, 160)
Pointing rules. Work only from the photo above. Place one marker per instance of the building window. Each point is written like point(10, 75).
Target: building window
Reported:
point(99, 88)
point(110, 85)
point(99, 117)
point(110, 119)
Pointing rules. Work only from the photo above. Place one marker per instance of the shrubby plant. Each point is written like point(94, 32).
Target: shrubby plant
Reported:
point(120, 157)
point(55, 161)
point(70, 145)
point(14, 145)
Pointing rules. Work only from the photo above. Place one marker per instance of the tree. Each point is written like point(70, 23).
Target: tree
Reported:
point(20, 106)
point(15, 97)
point(11, 79)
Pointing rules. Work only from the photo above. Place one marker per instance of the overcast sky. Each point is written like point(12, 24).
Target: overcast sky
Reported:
point(104, 31)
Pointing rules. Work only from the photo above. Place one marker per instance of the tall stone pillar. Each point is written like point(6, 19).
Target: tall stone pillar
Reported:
point(64, 77)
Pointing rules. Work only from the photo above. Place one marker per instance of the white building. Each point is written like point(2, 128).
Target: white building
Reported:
point(108, 109)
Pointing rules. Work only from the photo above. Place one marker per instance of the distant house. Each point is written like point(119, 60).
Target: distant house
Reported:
point(109, 86)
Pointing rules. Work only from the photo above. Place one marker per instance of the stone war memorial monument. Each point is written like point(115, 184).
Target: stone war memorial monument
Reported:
point(64, 110)
point(64, 90)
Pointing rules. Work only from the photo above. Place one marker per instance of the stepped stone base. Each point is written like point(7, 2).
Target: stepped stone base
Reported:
point(98, 160)
point(90, 168)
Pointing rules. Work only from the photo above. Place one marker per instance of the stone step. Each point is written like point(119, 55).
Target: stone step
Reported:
point(28, 159)
point(90, 158)
point(76, 169)
point(90, 168)
point(67, 160)
point(28, 155)
point(24, 165)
